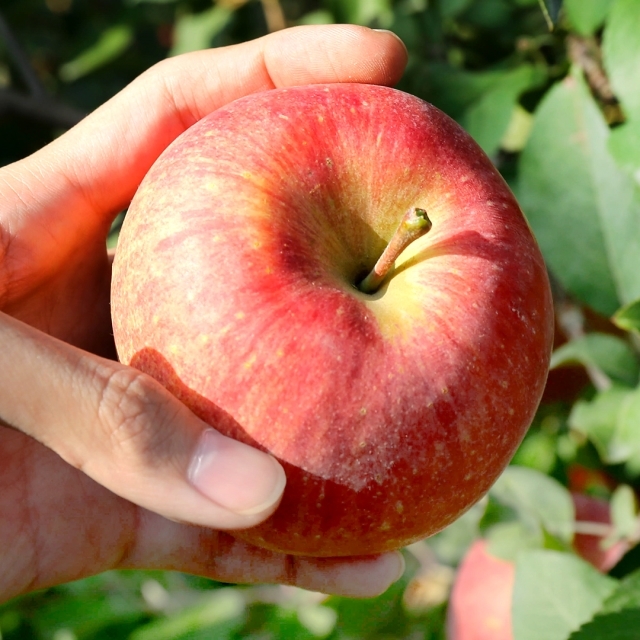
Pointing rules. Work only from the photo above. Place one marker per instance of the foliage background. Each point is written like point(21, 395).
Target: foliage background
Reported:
point(552, 94)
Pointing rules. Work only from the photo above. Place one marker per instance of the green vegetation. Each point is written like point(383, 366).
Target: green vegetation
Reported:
point(558, 111)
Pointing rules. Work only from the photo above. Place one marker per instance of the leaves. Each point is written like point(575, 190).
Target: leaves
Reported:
point(621, 52)
point(587, 15)
point(540, 501)
point(112, 43)
point(193, 32)
point(612, 422)
point(554, 594)
point(609, 353)
point(583, 208)
point(628, 317)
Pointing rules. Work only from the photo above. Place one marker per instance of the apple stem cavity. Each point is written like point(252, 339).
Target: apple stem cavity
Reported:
point(414, 224)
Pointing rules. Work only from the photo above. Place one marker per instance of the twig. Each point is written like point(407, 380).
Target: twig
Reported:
point(274, 15)
point(585, 53)
point(44, 109)
point(21, 60)
point(37, 104)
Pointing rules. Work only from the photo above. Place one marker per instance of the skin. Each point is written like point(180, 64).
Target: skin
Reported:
point(75, 421)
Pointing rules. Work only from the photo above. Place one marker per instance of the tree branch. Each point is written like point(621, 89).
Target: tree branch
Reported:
point(21, 60)
point(42, 109)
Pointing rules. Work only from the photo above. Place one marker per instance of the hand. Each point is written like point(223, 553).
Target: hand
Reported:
point(95, 456)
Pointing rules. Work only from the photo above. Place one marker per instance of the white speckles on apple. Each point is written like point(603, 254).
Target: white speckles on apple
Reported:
point(353, 109)
point(174, 349)
point(378, 139)
point(282, 116)
point(385, 526)
point(362, 444)
point(250, 362)
point(399, 507)
point(320, 119)
point(329, 162)
point(280, 353)
point(445, 391)
point(504, 384)
point(247, 175)
point(239, 315)
point(363, 411)
point(511, 411)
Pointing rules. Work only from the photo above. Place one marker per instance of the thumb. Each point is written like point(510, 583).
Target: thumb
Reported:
point(128, 433)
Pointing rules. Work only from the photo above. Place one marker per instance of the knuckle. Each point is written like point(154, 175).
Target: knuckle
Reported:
point(132, 409)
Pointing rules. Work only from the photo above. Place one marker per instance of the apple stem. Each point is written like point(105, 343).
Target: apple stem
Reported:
point(414, 224)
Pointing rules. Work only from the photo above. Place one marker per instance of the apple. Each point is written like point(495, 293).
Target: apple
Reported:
point(481, 596)
point(589, 544)
point(482, 593)
point(268, 274)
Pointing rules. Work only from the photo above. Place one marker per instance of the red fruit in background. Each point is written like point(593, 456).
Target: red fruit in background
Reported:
point(590, 547)
point(235, 285)
point(480, 602)
point(482, 593)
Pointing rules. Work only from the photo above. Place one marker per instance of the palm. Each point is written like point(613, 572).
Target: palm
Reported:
point(53, 511)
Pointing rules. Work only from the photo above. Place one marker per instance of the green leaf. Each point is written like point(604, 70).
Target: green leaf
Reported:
point(609, 353)
point(196, 31)
point(624, 146)
point(621, 54)
point(364, 12)
point(451, 8)
point(623, 625)
point(626, 596)
point(554, 594)
point(508, 539)
point(583, 208)
point(627, 435)
point(587, 16)
point(111, 44)
point(488, 119)
point(623, 511)
point(217, 615)
point(628, 317)
point(612, 422)
point(537, 499)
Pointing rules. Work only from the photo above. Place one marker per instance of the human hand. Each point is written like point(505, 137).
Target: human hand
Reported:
point(95, 457)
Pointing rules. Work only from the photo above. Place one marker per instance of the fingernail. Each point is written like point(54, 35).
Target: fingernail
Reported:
point(395, 35)
point(234, 475)
point(401, 566)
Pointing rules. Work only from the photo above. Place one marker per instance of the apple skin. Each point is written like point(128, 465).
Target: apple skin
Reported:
point(482, 593)
point(480, 601)
point(234, 286)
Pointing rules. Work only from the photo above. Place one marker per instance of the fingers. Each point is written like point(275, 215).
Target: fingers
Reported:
point(58, 525)
point(81, 180)
point(167, 545)
point(129, 434)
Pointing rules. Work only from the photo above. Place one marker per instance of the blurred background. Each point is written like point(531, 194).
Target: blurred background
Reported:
point(550, 90)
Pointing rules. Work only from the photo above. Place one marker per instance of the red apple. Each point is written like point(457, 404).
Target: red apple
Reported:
point(482, 593)
point(590, 545)
point(480, 602)
point(236, 285)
